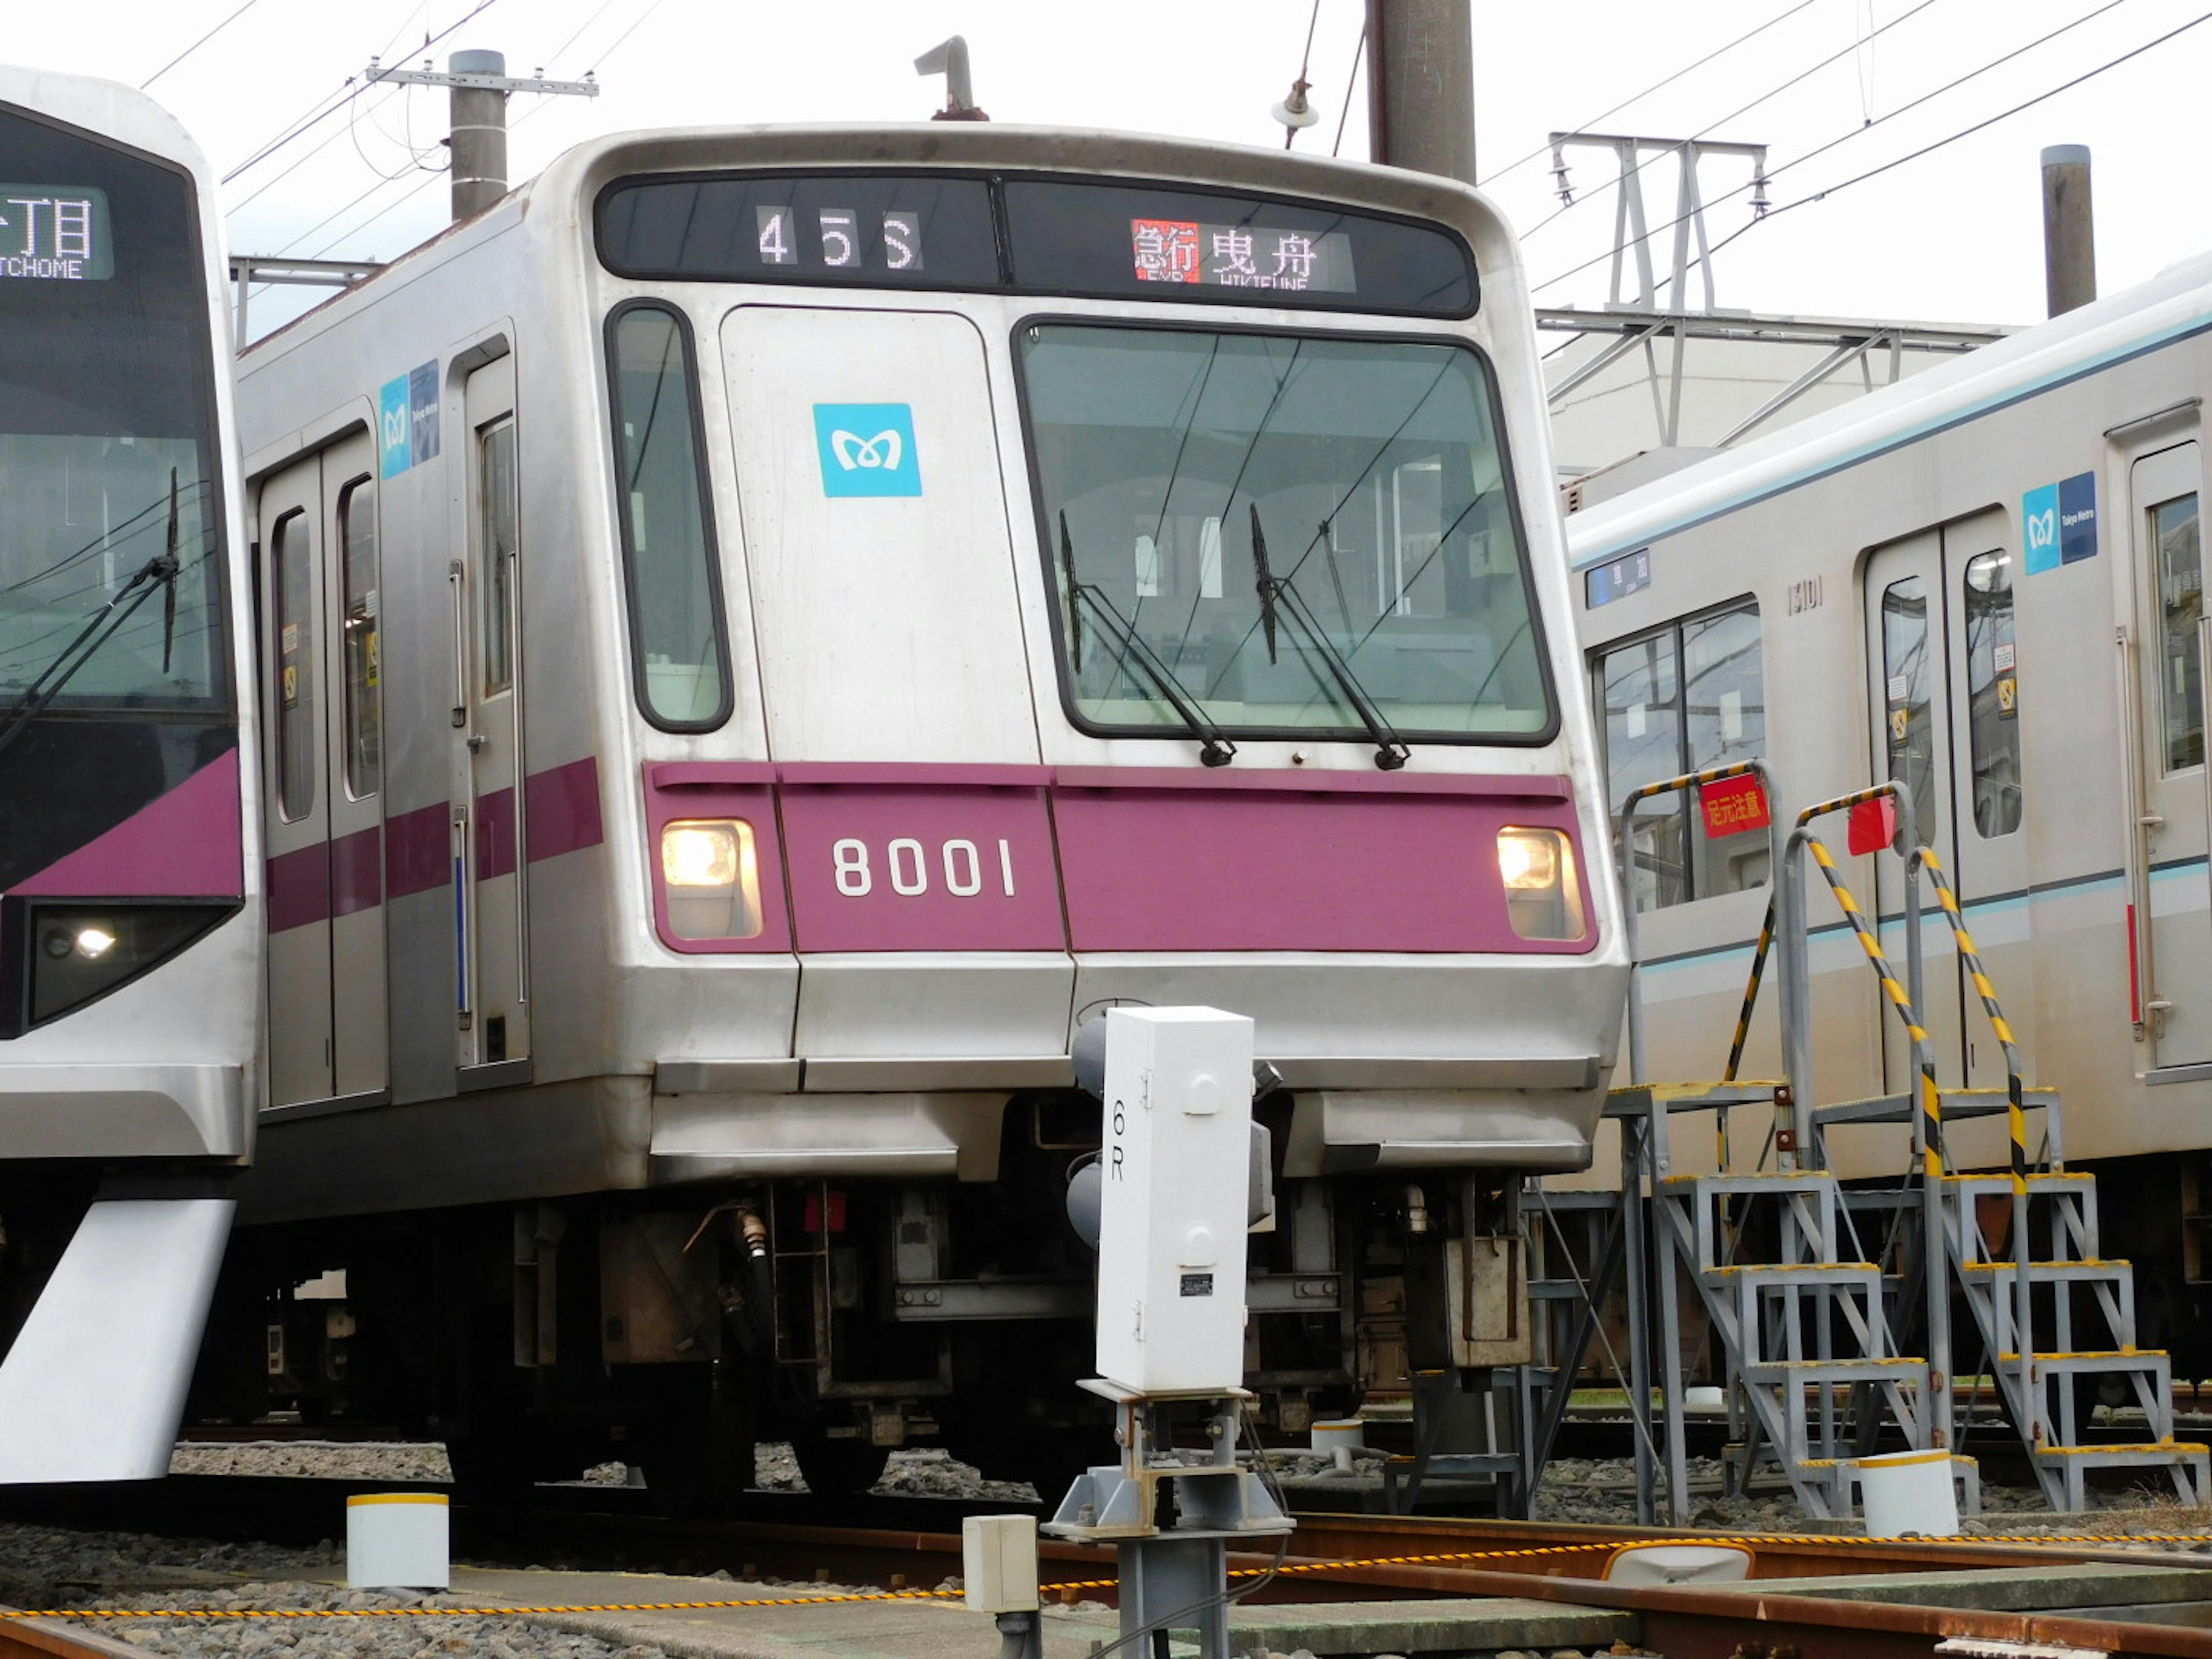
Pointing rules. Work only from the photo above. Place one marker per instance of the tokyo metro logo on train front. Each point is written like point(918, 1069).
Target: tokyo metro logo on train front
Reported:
point(867, 449)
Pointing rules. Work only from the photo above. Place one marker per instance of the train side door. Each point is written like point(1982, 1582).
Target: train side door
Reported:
point(1944, 653)
point(353, 703)
point(320, 585)
point(298, 806)
point(2176, 943)
point(1905, 640)
point(494, 1002)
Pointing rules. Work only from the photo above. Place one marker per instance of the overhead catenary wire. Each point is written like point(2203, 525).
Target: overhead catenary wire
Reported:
point(333, 102)
point(1657, 86)
point(1771, 92)
point(431, 177)
point(198, 44)
point(1950, 86)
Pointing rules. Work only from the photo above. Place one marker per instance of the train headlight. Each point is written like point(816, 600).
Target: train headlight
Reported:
point(1542, 896)
point(712, 877)
point(56, 955)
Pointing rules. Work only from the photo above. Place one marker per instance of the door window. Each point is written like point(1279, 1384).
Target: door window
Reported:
point(1992, 693)
point(2181, 603)
point(495, 454)
point(362, 602)
point(1909, 674)
point(290, 568)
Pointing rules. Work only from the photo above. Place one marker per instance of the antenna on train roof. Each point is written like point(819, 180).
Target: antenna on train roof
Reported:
point(950, 59)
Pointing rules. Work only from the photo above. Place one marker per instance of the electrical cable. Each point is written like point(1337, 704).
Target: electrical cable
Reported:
point(433, 176)
point(1351, 75)
point(1845, 137)
point(331, 103)
point(1305, 62)
point(1657, 86)
point(1968, 132)
point(198, 44)
point(1771, 92)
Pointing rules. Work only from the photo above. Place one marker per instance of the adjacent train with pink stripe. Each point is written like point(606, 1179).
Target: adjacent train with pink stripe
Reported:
point(765, 633)
point(130, 926)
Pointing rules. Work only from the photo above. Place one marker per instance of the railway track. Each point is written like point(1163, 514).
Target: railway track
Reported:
point(1370, 1559)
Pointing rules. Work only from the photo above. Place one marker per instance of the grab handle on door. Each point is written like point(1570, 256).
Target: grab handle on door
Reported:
point(461, 646)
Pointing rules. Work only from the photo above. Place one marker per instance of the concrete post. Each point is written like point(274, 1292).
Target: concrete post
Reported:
point(2069, 248)
point(1420, 86)
point(479, 134)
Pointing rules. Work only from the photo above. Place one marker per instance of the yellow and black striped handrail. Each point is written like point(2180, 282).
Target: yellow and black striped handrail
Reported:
point(1932, 1104)
point(2015, 1106)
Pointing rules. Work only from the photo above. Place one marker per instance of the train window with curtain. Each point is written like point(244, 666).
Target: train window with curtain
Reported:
point(1992, 693)
point(294, 607)
point(362, 603)
point(1688, 697)
point(1908, 678)
point(2181, 603)
point(681, 664)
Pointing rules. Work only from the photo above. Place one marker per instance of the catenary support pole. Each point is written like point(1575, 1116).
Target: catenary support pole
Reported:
point(1420, 86)
point(2069, 247)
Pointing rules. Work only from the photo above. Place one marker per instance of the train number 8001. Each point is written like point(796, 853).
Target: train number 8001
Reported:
point(907, 865)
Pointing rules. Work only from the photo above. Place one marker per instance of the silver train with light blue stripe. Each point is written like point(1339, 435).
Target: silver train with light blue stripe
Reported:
point(1987, 582)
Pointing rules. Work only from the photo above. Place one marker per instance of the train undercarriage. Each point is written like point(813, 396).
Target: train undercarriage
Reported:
point(671, 1329)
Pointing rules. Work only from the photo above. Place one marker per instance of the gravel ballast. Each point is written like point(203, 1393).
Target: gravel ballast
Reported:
point(52, 1567)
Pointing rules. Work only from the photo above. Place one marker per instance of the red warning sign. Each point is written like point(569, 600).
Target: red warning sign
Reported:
point(1734, 806)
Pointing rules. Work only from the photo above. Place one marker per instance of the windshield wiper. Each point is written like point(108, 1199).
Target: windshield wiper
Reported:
point(160, 570)
point(1214, 749)
point(1277, 597)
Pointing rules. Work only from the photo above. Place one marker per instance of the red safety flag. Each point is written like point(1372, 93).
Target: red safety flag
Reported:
point(1872, 825)
point(1732, 806)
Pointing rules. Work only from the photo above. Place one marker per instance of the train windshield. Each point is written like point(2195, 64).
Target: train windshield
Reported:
point(111, 578)
point(1283, 524)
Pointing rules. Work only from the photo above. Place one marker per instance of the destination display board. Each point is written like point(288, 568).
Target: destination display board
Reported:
point(54, 234)
point(1031, 235)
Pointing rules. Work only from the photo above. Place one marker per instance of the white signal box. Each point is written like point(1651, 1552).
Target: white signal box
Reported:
point(1174, 1197)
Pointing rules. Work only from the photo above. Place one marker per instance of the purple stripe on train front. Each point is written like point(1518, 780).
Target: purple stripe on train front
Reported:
point(300, 887)
point(560, 810)
point(418, 850)
point(358, 871)
point(1231, 779)
point(912, 774)
point(495, 834)
point(183, 844)
point(927, 867)
point(1169, 870)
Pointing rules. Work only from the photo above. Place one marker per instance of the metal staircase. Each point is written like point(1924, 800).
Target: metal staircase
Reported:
point(1805, 1313)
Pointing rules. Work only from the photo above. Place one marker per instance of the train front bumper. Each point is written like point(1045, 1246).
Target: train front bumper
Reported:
point(126, 1110)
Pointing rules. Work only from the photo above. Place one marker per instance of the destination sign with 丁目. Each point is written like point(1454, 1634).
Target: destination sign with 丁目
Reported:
point(54, 234)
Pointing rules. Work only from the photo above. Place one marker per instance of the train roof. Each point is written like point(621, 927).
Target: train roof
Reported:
point(107, 107)
point(2171, 305)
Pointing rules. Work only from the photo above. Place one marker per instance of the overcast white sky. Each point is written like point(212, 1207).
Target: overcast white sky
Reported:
point(1955, 235)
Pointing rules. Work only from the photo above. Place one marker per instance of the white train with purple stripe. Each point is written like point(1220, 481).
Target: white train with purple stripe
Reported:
point(766, 633)
point(130, 928)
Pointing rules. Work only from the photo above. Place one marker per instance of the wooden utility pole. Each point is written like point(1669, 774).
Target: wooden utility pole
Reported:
point(1420, 86)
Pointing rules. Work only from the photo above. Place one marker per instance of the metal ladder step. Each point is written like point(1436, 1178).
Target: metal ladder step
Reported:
point(2115, 1359)
point(1898, 1368)
point(2110, 1271)
point(1956, 1103)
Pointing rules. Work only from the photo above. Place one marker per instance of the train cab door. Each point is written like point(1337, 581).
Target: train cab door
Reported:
point(493, 998)
point(321, 601)
point(1942, 651)
point(2174, 974)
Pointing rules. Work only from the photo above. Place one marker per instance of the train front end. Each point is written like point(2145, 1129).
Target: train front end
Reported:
point(1063, 570)
point(130, 940)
